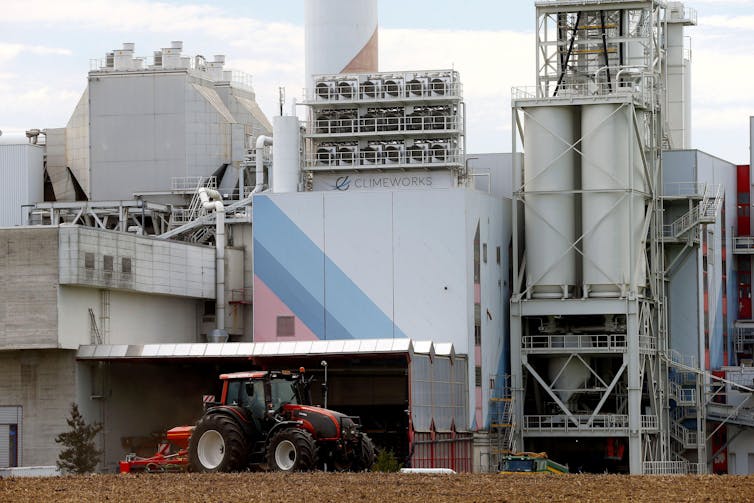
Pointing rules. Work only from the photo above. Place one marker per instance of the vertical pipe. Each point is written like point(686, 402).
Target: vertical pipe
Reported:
point(211, 199)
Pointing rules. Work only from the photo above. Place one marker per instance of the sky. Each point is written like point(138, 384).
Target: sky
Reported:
point(46, 49)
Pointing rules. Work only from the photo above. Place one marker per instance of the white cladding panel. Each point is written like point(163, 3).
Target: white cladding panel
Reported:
point(286, 154)
point(358, 239)
point(306, 210)
point(354, 182)
point(550, 165)
point(21, 168)
point(432, 280)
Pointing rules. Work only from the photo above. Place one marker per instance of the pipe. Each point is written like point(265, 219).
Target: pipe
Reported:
point(212, 199)
point(241, 181)
point(262, 141)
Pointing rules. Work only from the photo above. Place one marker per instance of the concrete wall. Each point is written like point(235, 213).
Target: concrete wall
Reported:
point(134, 318)
point(157, 266)
point(29, 275)
point(43, 384)
point(21, 169)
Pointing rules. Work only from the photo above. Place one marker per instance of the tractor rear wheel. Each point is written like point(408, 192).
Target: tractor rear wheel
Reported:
point(292, 450)
point(363, 455)
point(217, 445)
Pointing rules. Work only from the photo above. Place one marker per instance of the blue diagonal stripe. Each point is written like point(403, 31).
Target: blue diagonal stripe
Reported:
point(298, 272)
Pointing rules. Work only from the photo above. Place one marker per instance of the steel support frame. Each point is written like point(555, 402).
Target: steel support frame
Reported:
point(646, 371)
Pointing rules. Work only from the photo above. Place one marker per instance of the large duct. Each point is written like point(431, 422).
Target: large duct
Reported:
point(341, 37)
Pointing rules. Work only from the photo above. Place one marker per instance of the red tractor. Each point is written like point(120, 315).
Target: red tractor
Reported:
point(265, 419)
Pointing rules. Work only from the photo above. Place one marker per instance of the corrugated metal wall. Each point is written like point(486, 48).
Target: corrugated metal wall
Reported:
point(21, 171)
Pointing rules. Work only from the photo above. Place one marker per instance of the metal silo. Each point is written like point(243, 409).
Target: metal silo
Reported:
point(606, 220)
point(549, 182)
point(587, 307)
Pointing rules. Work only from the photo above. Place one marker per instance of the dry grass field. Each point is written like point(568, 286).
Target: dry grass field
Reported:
point(369, 487)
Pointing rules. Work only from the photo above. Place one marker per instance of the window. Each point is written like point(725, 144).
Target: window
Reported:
point(107, 263)
point(478, 376)
point(89, 260)
point(497, 255)
point(477, 335)
point(484, 253)
point(125, 265)
point(209, 308)
point(286, 326)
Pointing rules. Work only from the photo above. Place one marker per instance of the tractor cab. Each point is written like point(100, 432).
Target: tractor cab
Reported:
point(263, 391)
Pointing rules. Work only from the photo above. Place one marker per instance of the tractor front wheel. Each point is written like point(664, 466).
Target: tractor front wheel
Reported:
point(217, 445)
point(292, 450)
point(363, 454)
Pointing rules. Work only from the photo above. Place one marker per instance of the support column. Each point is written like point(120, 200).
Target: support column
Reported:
point(634, 390)
point(517, 383)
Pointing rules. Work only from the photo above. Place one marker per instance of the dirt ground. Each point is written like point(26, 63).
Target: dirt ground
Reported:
point(320, 487)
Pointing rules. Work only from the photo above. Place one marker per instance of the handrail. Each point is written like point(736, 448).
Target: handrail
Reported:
point(387, 124)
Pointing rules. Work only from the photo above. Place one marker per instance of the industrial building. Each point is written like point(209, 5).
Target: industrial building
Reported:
point(570, 296)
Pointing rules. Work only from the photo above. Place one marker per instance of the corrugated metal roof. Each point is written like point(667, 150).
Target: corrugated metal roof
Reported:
point(261, 349)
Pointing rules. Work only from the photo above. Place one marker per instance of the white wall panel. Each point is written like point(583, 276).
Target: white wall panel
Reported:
point(431, 253)
point(359, 241)
point(306, 210)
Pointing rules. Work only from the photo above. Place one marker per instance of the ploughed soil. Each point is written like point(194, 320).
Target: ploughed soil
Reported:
point(376, 487)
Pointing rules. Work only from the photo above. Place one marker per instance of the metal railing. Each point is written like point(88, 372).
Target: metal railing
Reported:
point(649, 422)
point(683, 359)
point(744, 337)
point(668, 468)
point(385, 124)
point(743, 243)
point(190, 183)
point(433, 85)
point(603, 342)
point(145, 63)
point(640, 89)
point(363, 158)
point(682, 396)
point(563, 423)
point(687, 437)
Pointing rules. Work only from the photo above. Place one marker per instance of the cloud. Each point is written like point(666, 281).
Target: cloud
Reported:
point(490, 62)
point(8, 51)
